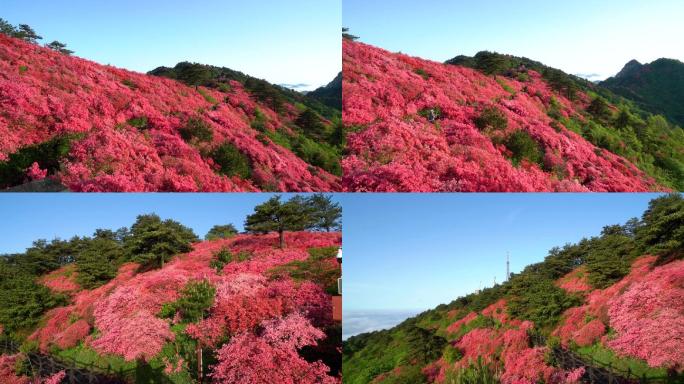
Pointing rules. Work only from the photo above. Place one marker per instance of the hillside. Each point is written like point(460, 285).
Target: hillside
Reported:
point(417, 125)
point(331, 94)
point(657, 87)
point(92, 127)
point(607, 309)
point(250, 305)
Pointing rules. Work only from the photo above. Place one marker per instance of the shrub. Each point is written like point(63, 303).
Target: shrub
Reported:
point(48, 155)
point(130, 84)
point(231, 161)
point(422, 73)
point(138, 122)
point(196, 128)
point(491, 118)
point(221, 232)
point(259, 122)
point(524, 147)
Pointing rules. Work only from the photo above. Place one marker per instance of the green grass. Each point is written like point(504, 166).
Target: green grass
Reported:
point(207, 96)
point(139, 372)
point(621, 364)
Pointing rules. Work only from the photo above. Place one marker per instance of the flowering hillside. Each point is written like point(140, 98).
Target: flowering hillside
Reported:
point(607, 309)
point(417, 125)
point(93, 127)
point(259, 326)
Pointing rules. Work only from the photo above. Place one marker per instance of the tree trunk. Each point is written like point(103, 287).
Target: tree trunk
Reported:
point(199, 362)
point(281, 238)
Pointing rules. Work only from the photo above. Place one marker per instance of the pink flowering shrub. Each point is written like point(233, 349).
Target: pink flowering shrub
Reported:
point(129, 124)
point(649, 318)
point(34, 172)
point(56, 378)
point(456, 325)
point(272, 357)
point(393, 148)
point(62, 280)
point(7, 373)
point(283, 314)
point(575, 281)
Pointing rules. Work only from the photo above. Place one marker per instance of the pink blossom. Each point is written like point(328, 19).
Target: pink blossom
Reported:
point(394, 149)
point(34, 172)
point(68, 95)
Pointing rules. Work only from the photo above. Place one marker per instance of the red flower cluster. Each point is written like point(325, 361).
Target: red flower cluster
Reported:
point(62, 280)
point(575, 281)
point(395, 148)
point(272, 357)
point(44, 94)
point(649, 318)
point(9, 376)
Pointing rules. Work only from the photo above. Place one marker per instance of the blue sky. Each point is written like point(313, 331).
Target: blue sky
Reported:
point(580, 37)
point(28, 216)
point(295, 41)
point(416, 251)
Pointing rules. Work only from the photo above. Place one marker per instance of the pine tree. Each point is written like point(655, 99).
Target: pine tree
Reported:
point(273, 215)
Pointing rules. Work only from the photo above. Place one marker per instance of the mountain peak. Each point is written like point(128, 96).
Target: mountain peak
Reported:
point(629, 68)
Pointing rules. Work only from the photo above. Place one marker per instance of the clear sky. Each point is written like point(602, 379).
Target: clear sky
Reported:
point(416, 251)
point(584, 37)
point(28, 216)
point(294, 41)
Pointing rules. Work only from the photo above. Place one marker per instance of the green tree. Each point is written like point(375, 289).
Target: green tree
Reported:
point(25, 32)
point(99, 261)
point(325, 214)
point(311, 123)
point(7, 28)
point(338, 135)
point(231, 161)
point(152, 241)
point(599, 109)
point(59, 47)
point(23, 300)
point(348, 36)
point(194, 74)
point(490, 63)
point(609, 256)
point(274, 215)
point(662, 228)
point(221, 232)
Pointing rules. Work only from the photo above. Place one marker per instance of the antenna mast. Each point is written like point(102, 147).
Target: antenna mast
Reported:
point(508, 266)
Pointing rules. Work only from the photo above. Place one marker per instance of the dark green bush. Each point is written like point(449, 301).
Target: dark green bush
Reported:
point(524, 147)
point(491, 118)
point(196, 128)
point(138, 122)
point(231, 161)
point(48, 155)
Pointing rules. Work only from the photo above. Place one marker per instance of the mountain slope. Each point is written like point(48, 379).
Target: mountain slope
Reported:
point(612, 303)
point(259, 315)
point(331, 94)
point(98, 128)
point(417, 125)
point(657, 87)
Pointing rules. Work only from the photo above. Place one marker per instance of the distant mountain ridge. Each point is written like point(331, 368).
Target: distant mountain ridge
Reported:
point(331, 94)
point(657, 87)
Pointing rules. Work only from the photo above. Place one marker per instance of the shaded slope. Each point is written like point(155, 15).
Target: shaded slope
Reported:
point(417, 125)
point(98, 128)
point(331, 94)
point(657, 87)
